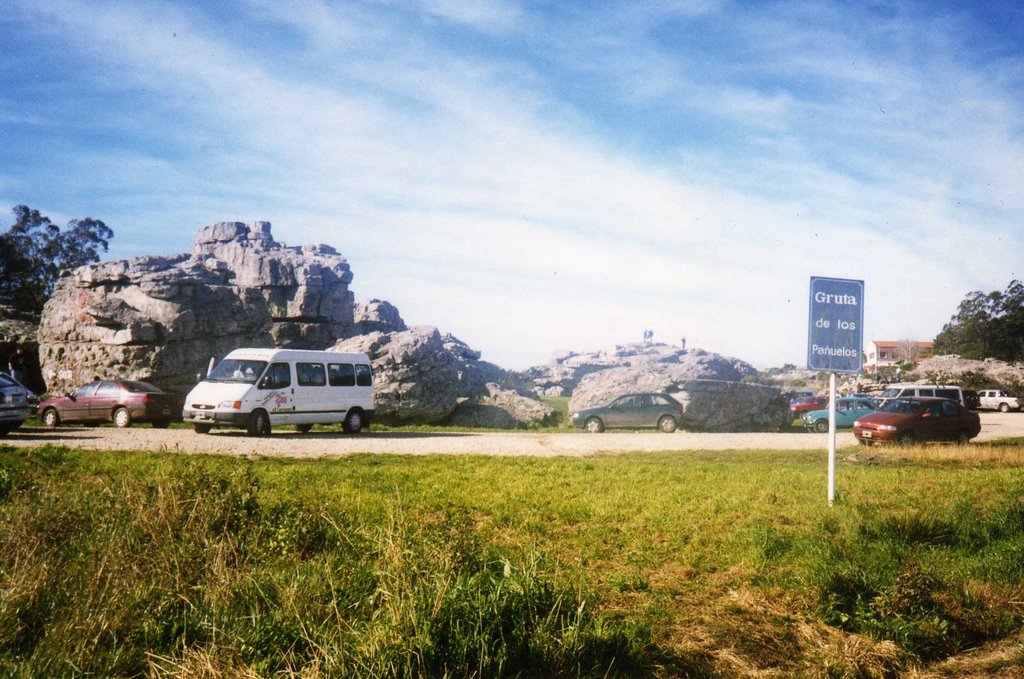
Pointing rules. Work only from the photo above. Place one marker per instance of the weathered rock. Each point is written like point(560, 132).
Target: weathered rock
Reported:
point(420, 376)
point(501, 408)
point(474, 375)
point(951, 369)
point(19, 329)
point(377, 315)
point(709, 404)
point(160, 319)
point(567, 369)
point(415, 378)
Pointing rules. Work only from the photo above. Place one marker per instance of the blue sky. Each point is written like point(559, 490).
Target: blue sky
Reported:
point(538, 176)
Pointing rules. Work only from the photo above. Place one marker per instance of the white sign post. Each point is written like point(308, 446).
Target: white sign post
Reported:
point(835, 337)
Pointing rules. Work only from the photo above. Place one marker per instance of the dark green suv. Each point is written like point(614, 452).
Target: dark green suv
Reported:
point(632, 411)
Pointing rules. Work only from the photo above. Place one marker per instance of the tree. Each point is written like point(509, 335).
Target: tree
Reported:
point(987, 325)
point(34, 251)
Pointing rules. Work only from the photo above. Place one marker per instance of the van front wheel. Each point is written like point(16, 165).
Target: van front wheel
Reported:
point(259, 424)
point(353, 423)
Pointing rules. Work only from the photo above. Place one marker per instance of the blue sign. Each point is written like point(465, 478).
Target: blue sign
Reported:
point(835, 327)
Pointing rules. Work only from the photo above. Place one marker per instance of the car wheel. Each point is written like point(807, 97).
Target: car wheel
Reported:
point(906, 439)
point(161, 424)
point(963, 438)
point(1004, 408)
point(122, 418)
point(821, 426)
point(303, 428)
point(259, 424)
point(595, 425)
point(51, 418)
point(667, 424)
point(201, 428)
point(353, 423)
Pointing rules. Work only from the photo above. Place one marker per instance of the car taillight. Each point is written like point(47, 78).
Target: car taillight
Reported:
point(146, 399)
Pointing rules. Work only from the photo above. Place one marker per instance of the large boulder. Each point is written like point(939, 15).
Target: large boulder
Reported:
point(376, 315)
point(160, 319)
point(501, 408)
point(709, 404)
point(563, 374)
point(424, 377)
point(973, 373)
point(416, 379)
point(20, 330)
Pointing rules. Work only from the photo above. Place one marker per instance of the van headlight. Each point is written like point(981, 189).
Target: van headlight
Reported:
point(232, 405)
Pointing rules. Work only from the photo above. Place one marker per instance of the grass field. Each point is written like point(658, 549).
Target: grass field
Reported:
point(670, 564)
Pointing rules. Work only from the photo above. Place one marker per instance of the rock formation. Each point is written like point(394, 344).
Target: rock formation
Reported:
point(377, 315)
point(160, 319)
point(708, 404)
point(501, 409)
point(971, 373)
point(19, 329)
point(564, 372)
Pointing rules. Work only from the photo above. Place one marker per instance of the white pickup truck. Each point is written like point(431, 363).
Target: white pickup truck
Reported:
point(998, 399)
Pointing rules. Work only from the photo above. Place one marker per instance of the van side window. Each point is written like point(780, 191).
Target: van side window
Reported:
point(364, 378)
point(278, 376)
point(310, 374)
point(341, 375)
point(926, 392)
point(948, 393)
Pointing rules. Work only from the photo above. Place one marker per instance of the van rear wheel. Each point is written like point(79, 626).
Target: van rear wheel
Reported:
point(303, 428)
point(353, 423)
point(259, 424)
point(201, 428)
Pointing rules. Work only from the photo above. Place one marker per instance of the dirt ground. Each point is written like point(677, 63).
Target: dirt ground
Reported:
point(286, 442)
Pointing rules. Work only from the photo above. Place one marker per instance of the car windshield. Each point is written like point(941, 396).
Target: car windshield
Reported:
point(900, 405)
point(6, 381)
point(237, 370)
point(141, 387)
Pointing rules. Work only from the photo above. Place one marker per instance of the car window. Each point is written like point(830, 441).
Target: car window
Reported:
point(626, 402)
point(107, 389)
point(341, 374)
point(310, 374)
point(237, 370)
point(949, 408)
point(364, 377)
point(659, 400)
point(86, 390)
point(278, 376)
point(6, 381)
point(141, 387)
point(933, 409)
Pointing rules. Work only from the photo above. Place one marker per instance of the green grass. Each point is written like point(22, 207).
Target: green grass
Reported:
point(670, 564)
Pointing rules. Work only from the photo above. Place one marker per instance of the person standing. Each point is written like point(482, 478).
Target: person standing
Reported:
point(16, 365)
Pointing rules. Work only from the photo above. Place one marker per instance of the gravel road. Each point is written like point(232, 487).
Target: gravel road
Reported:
point(285, 442)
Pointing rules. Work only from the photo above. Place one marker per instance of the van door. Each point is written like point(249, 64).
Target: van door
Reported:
point(275, 393)
point(313, 403)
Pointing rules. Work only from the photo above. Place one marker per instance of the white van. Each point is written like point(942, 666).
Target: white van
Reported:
point(257, 389)
point(953, 393)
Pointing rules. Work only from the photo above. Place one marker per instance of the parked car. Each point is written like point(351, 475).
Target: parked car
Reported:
point(632, 411)
point(14, 404)
point(908, 420)
point(799, 406)
point(951, 392)
point(848, 410)
point(123, 402)
point(998, 399)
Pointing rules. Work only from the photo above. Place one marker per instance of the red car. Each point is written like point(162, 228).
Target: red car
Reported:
point(806, 404)
point(122, 402)
point(908, 420)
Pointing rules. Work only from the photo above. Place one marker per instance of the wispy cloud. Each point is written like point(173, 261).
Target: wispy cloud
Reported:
point(534, 177)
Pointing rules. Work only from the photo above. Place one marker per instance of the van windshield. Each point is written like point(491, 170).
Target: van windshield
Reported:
point(891, 393)
point(237, 370)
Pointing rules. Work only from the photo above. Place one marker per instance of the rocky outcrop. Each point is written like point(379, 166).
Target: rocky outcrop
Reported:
point(709, 404)
point(563, 374)
point(19, 329)
point(971, 373)
point(502, 409)
point(416, 380)
point(160, 319)
point(377, 315)
point(422, 376)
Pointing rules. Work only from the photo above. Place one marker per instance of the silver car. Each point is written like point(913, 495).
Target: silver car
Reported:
point(14, 404)
point(632, 411)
